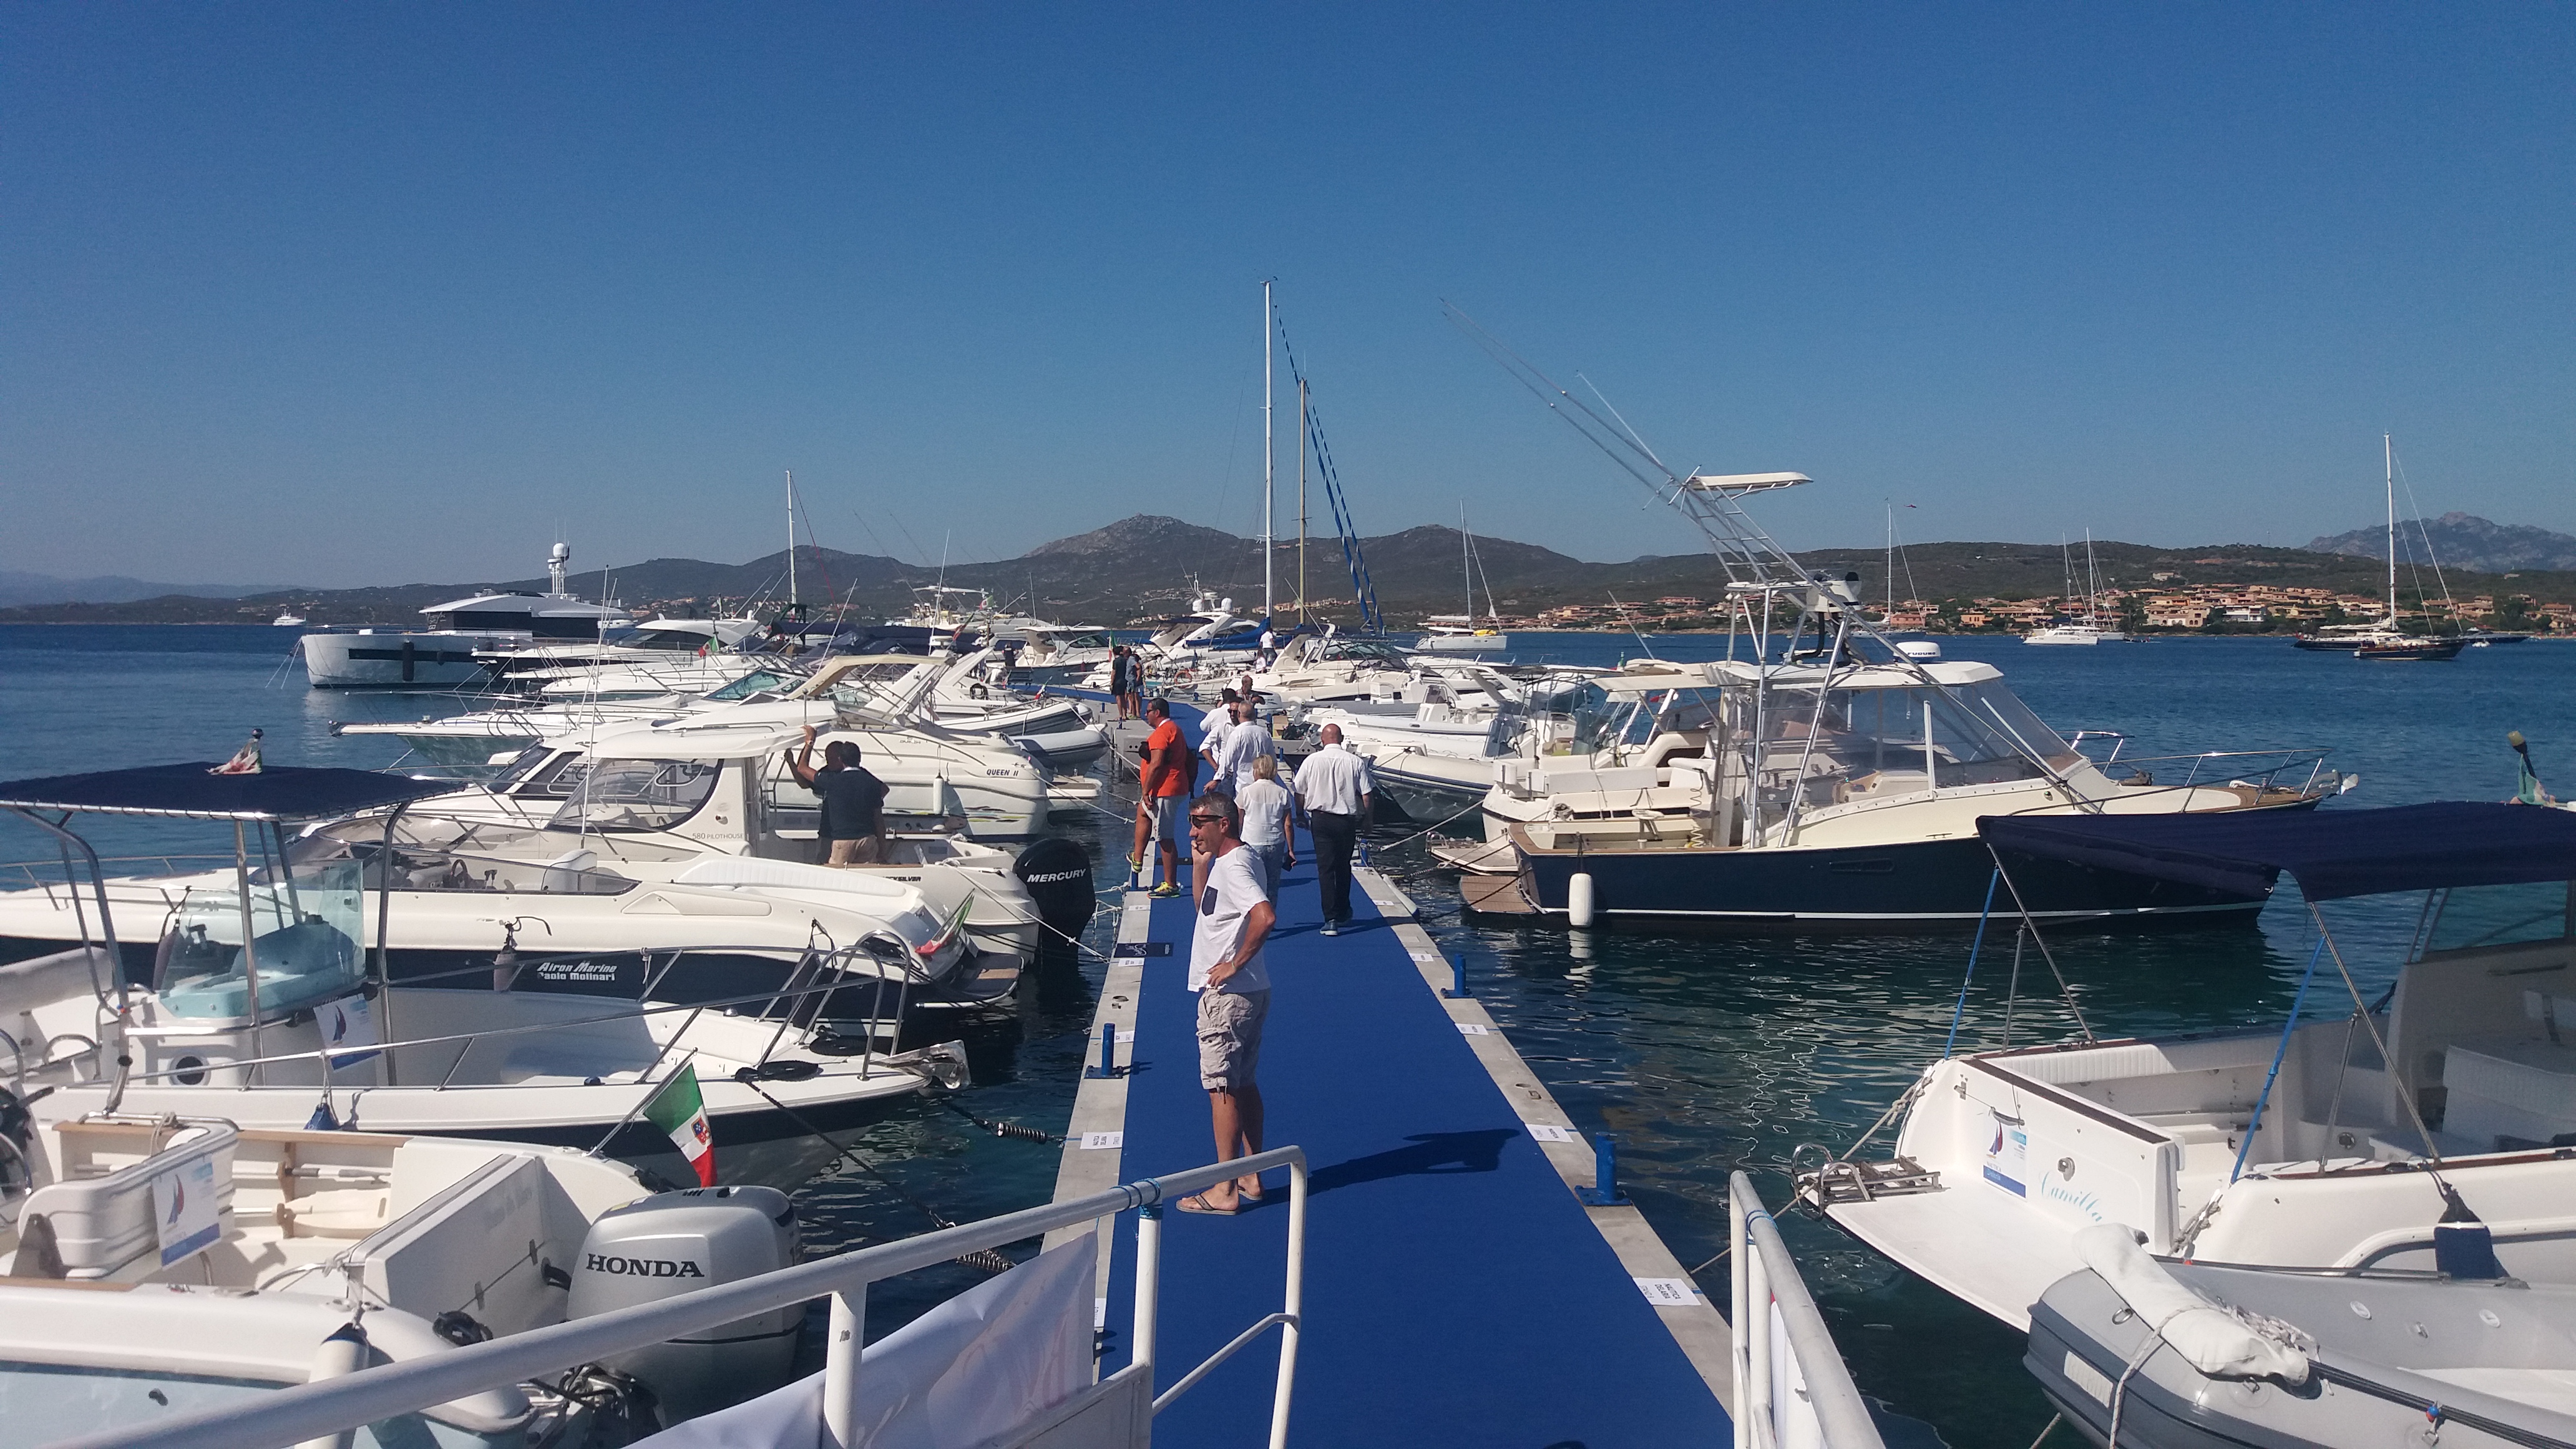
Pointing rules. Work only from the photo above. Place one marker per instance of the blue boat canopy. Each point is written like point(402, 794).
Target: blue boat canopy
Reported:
point(194, 792)
point(2331, 853)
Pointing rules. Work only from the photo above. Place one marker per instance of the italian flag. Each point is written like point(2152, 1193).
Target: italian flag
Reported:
point(677, 1110)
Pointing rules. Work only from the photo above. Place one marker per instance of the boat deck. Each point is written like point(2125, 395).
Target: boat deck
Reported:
point(1457, 1291)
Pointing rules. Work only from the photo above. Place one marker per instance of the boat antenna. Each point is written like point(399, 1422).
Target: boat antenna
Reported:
point(794, 604)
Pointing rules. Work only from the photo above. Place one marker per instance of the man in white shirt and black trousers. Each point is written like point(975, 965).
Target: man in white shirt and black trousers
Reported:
point(1233, 987)
point(1335, 790)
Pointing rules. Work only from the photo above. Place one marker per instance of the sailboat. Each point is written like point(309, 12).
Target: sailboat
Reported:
point(2383, 639)
point(1457, 633)
point(2087, 630)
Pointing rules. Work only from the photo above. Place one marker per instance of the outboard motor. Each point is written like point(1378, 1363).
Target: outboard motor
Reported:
point(677, 1242)
point(1058, 875)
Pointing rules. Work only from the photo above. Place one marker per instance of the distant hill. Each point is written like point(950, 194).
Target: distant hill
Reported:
point(2460, 540)
point(1141, 569)
point(25, 588)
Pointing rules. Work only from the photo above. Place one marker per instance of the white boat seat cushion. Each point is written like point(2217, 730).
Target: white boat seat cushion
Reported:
point(2499, 1089)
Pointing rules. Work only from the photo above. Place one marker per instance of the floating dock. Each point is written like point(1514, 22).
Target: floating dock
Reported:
point(1458, 1291)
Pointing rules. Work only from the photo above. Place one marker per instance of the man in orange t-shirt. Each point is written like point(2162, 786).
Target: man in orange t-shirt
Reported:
point(1165, 781)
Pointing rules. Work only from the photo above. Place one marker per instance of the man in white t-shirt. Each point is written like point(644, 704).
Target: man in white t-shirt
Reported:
point(1233, 986)
point(1214, 726)
point(1248, 741)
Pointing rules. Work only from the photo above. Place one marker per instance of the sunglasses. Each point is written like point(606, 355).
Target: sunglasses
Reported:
point(1206, 819)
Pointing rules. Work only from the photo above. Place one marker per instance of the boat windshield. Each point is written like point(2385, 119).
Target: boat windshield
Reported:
point(46, 1403)
point(301, 920)
point(637, 795)
point(758, 681)
point(1972, 735)
point(2474, 917)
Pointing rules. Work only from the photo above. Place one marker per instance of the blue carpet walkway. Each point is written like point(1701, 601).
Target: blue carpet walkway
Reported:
point(1456, 1292)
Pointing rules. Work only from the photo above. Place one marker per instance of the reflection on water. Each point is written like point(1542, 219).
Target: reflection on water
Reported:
point(1702, 1054)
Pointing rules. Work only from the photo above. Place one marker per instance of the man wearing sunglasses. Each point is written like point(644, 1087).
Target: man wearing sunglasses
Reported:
point(1233, 987)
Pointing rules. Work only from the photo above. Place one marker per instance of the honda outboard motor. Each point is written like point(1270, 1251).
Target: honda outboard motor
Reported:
point(1058, 875)
point(677, 1242)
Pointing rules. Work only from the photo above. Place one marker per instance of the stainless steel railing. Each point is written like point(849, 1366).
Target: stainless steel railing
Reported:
point(1791, 1386)
point(333, 1406)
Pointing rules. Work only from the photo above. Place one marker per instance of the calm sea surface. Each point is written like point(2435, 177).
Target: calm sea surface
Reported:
point(1704, 1054)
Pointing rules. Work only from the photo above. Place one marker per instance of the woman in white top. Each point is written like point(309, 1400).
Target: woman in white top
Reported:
point(1265, 804)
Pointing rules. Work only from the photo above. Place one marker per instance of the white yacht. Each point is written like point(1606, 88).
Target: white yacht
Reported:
point(259, 1002)
point(450, 652)
point(160, 1266)
point(2360, 1134)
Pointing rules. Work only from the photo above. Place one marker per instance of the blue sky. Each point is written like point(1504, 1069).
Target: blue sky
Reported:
point(353, 294)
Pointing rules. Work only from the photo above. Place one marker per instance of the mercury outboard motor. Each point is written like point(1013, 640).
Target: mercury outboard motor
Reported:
point(1058, 875)
point(677, 1242)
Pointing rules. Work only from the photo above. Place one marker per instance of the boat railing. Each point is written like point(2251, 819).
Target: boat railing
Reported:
point(52, 875)
point(2264, 769)
point(806, 996)
point(335, 1407)
point(1791, 1385)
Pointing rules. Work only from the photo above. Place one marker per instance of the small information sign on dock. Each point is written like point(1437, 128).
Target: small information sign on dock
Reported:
point(1095, 1141)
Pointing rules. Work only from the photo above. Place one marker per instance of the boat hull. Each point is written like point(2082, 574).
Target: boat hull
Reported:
point(395, 661)
point(1896, 888)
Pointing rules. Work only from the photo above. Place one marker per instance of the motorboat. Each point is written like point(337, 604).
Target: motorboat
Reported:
point(2189, 1355)
point(568, 803)
point(1432, 747)
point(1053, 654)
point(1322, 668)
point(462, 633)
point(1452, 634)
point(1003, 787)
point(2069, 633)
point(1833, 792)
point(261, 1003)
point(157, 1266)
point(652, 859)
point(2360, 1134)
point(1211, 631)
point(288, 620)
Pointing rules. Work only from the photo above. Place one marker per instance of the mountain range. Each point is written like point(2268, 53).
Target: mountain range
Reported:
point(1144, 567)
point(2459, 540)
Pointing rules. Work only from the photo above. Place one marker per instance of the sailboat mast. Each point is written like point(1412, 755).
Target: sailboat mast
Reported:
point(1301, 501)
point(1466, 563)
point(793, 602)
point(1269, 457)
point(2388, 463)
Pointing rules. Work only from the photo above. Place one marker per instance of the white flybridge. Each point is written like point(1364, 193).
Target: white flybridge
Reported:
point(447, 653)
point(260, 1005)
point(2425, 1131)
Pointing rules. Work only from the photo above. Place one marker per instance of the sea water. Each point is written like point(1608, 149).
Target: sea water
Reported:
point(1702, 1054)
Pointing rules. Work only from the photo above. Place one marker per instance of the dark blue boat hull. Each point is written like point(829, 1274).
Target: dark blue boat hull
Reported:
point(1917, 886)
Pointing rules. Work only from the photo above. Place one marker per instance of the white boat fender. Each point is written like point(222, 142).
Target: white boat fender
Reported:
point(1578, 899)
point(2214, 1340)
point(678, 1242)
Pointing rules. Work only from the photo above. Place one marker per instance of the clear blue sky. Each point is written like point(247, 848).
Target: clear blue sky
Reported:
point(370, 293)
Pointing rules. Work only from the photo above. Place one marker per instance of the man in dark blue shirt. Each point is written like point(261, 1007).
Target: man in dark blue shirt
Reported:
point(853, 823)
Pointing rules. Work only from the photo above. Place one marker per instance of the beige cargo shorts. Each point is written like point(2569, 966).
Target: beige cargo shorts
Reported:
point(1230, 1037)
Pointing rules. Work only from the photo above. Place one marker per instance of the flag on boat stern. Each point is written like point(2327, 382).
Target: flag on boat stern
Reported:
point(677, 1110)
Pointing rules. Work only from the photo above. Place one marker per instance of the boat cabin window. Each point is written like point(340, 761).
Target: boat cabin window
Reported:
point(1975, 735)
point(758, 681)
point(680, 640)
point(558, 777)
point(519, 766)
point(2470, 918)
point(638, 795)
point(303, 929)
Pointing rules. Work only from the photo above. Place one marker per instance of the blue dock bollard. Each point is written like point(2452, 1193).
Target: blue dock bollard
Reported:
point(1458, 978)
point(1604, 1191)
point(1108, 1054)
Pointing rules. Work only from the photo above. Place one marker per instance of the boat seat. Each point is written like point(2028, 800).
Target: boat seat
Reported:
point(2506, 1092)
